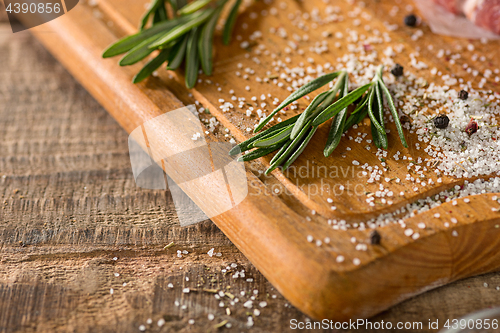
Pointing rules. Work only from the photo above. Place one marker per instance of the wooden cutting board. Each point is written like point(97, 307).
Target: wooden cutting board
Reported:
point(271, 228)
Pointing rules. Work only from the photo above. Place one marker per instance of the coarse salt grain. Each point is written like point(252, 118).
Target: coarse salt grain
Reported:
point(409, 232)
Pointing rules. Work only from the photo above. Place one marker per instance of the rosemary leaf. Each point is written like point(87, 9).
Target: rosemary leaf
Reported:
point(231, 19)
point(301, 148)
point(206, 41)
point(373, 119)
point(192, 59)
point(152, 9)
point(379, 138)
point(160, 15)
point(361, 105)
point(128, 43)
point(259, 153)
point(177, 53)
point(340, 104)
point(248, 144)
point(139, 52)
point(305, 116)
point(380, 104)
point(151, 66)
point(333, 95)
point(289, 149)
point(281, 136)
point(193, 7)
point(376, 136)
point(355, 118)
point(175, 6)
point(302, 91)
point(280, 152)
point(390, 102)
point(338, 123)
point(179, 30)
point(179, 3)
point(316, 108)
point(384, 142)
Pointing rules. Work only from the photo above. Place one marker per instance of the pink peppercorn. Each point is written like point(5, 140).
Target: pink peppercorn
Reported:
point(472, 127)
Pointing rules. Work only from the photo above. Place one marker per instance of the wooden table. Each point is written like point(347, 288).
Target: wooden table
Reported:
point(70, 206)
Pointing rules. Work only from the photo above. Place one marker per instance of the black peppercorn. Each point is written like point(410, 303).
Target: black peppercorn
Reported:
point(404, 119)
point(410, 20)
point(375, 237)
point(441, 121)
point(397, 70)
point(463, 95)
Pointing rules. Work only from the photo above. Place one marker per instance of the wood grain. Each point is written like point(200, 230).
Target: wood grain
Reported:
point(270, 230)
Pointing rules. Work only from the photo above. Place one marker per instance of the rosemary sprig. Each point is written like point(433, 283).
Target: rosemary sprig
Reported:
point(291, 137)
point(304, 90)
point(338, 124)
point(128, 43)
point(187, 35)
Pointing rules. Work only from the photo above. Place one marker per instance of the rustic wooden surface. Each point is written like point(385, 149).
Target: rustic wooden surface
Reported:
point(270, 229)
point(70, 205)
